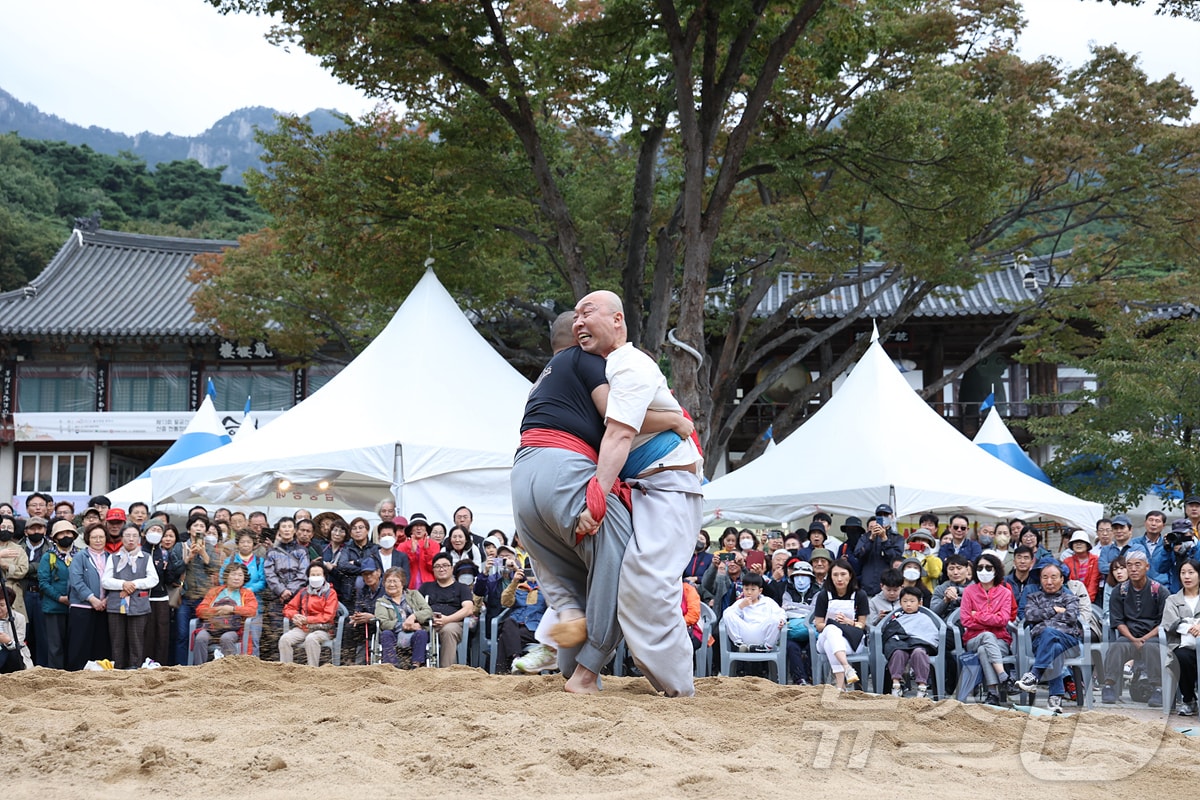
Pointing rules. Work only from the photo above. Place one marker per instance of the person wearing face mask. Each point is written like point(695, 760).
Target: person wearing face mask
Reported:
point(168, 563)
point(14, 563)
point(910, 571)
point(389, 555)
point(55, 581)
point(127, 580)
point(921, 546)
point(988, 606)
point(999, 546)
point(313, 614)
point(878, 549)
point(794, 595)
point(35, 544)
point(528, 606)
point(700, 562)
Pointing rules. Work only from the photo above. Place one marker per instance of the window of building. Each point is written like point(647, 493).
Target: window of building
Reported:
point(320, 375)
point(63, 388)
point(148, 387)
point(268, 386)
point(54, 473)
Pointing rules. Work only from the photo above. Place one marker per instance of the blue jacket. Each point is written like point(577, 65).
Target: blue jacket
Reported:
point(875, 556)
point(258, 578)
point(85, 579)
point(1152, 552)
point(1109, 553)
point(970, 550)
point(1166, 562)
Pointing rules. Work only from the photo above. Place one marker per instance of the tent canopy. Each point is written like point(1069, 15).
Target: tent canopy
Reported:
point(995, 438)
point(429, 412)
point(205, 432)
point(876, 441)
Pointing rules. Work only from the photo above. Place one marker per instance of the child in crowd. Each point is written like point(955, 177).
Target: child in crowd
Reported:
point(909, 639)
point(753, 622)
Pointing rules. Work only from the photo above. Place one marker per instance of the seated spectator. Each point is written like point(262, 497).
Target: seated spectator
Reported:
point(1118, 573)
point(225, 611)
point(1135, 611)
point(313, 614)
point(960, 544)
point(1083, 565)
point(402, 614)
point(987, 607)
point(948, 595)
point(14, 652)
point(460, 546)
point(840, 617)
point(1052, 614)
point(794, 595)
point(1181, 621)
point(753, 622)
point(821, 561)
point(912, 575)
point(888, 599)
point(909, 639)
point(1021, 580)
point(528, 605)
point(690, 605)
point(358, 628)
point(452, 604)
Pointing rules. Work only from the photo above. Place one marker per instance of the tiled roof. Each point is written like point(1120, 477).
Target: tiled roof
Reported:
point(993, 295)
point(109, 285)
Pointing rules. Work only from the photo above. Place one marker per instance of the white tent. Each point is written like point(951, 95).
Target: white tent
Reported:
point(428, 412)
point(204, 433)
point(876, 441)
point(995, 438)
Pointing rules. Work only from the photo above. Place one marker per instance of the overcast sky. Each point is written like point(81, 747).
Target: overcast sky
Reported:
point(178, 66)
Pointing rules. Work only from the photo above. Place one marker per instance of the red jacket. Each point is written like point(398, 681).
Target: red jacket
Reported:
point(420, 559)
point(1086, 571)
point(318, 608)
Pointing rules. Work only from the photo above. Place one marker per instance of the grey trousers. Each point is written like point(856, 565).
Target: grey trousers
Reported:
point(549, 488)
point(666, 519)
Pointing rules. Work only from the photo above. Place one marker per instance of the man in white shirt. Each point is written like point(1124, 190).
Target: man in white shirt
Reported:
point(665, 476)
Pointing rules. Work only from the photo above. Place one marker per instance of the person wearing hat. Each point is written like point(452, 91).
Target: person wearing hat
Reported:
point(794, 595)
point(910, 572)
point(367, 593)
point(1083, 565)
point(816, 539)
point(114, 521)
point(1135, 611)
point(420, 550)
point(820, 560)
point(54, 582)
point(35, 544)
point(1179, 546)
point(878, 549)
point(854, 530)
point(1191, 512)
point(1122, 532)
point(14, 563)
point(922, 545)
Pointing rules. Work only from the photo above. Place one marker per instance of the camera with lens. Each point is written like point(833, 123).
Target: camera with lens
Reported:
point(1176, 538)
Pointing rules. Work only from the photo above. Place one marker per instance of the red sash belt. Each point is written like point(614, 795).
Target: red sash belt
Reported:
point(597, 504)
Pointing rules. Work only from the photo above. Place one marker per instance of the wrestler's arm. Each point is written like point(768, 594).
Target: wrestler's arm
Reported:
point(654, 422)
point(614, 449)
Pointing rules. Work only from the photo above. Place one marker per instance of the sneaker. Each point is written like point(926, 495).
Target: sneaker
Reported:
point(851, 676)
point(217, 653)
point(1108, 695)
point(1187, 709)
point(1054, 703)
point(922, 690)
point(992, 699)
point(537, 660)
point(1155, 700)
point(897, 690)
point(1008, 687)
point(1028, 682)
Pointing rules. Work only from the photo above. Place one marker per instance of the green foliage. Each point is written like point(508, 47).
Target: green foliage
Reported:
point(44, 186)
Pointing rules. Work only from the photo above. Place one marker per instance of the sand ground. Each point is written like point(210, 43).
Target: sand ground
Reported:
point(242, 728)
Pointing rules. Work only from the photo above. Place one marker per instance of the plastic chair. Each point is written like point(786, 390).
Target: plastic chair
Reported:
point(334, 645)
point(708, 618)
point(1077, 659)
point(938, 661)
point(494, 639)
point(822, 672)
point(215, 641)
point(955, 628)
point(776, 659)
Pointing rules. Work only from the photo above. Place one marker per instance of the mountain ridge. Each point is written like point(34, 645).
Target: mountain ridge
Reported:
point(228, 142)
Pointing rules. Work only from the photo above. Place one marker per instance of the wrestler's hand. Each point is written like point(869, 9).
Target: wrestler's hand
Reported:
point(586, 525)
point(683, 427)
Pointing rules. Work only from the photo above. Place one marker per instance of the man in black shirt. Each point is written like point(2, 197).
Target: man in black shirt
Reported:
point(452, 602)
point(1135, 611)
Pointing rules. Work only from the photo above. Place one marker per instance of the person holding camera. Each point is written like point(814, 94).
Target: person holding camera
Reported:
point(1178, 546)
point(878, 549)
point(528, 606)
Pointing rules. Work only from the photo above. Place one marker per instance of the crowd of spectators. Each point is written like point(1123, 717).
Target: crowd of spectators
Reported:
point(141, 590)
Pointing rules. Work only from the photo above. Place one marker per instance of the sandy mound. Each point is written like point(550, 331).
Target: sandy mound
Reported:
point(239, 727)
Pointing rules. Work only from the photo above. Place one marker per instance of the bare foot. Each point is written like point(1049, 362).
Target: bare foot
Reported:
point(570, 632)
point(582, 681)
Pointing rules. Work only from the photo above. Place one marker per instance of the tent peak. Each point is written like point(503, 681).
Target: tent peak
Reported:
point(874, 332)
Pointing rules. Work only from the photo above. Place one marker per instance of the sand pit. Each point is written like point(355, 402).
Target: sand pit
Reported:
point(242, 728)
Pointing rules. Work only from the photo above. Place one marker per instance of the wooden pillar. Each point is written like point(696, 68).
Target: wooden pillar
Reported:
point(935, 364)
